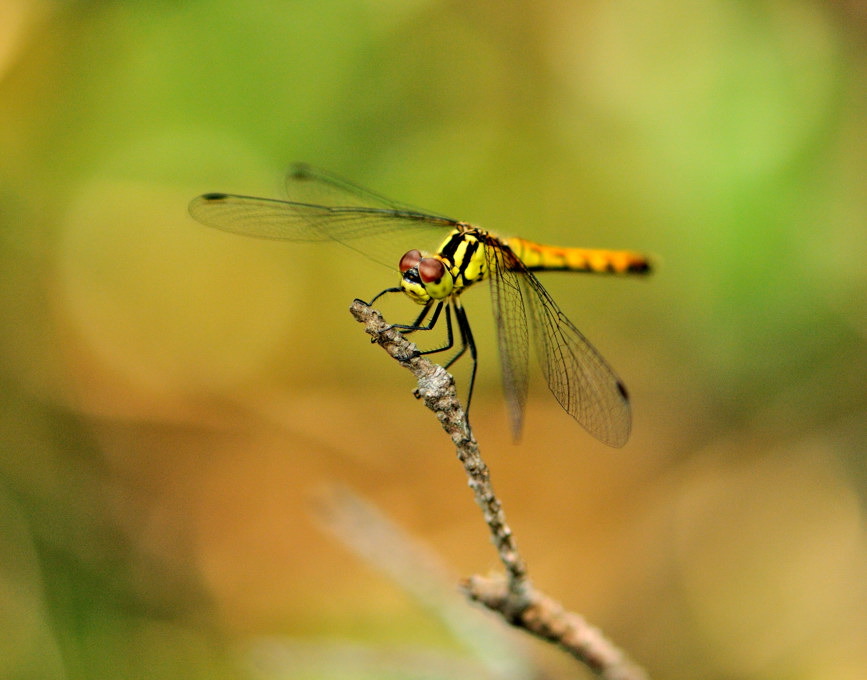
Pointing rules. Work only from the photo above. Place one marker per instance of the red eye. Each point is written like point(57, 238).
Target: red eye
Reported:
point(409, 260)
point(430, 269)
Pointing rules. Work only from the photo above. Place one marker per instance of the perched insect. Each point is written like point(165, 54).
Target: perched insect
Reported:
point(325, 207)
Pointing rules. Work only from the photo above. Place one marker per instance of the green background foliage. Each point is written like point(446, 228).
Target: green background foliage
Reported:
point(173, 397)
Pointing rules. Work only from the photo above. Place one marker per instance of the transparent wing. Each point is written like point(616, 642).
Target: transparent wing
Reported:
point(363, 221)
point(507, 296)
point(306, 184)
point(580, 379)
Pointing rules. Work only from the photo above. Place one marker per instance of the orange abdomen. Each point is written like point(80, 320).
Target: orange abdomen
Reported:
point(538, 257)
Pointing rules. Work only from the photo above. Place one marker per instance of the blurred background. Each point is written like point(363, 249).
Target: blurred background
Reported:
point(177, 404)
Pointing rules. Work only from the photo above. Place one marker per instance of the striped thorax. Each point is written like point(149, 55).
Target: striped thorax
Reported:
point(459, 262)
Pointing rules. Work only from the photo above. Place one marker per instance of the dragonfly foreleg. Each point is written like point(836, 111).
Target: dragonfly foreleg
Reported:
point(379, 295)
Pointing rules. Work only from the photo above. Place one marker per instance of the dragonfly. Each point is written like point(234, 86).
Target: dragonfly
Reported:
point(325, 207)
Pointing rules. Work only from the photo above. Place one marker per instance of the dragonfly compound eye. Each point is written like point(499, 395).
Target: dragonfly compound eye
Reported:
point(409, 261)
point(431, 270)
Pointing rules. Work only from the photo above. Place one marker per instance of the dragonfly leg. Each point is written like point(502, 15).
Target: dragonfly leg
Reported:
point(467, 341)
point(450, 337)
point(419, 323)
point(417, 326)
point(463, 348)
point(466, 333)
point(379, 295)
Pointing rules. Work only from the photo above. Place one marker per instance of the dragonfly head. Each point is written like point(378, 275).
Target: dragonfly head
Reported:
point(425, 278)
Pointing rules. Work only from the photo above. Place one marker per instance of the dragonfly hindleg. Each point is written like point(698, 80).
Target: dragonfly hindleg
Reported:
point(467, 341)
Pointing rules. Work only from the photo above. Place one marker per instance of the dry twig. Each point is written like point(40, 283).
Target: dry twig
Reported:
point(514, 598)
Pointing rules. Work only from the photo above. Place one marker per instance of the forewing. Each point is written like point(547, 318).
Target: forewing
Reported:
point(382, 234)
point(263, 217)
point(584, 384)
point(507, 297)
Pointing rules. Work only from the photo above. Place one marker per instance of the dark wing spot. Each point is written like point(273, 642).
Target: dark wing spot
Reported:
point(622, 389)
point(215, 197)
point(300, 171)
